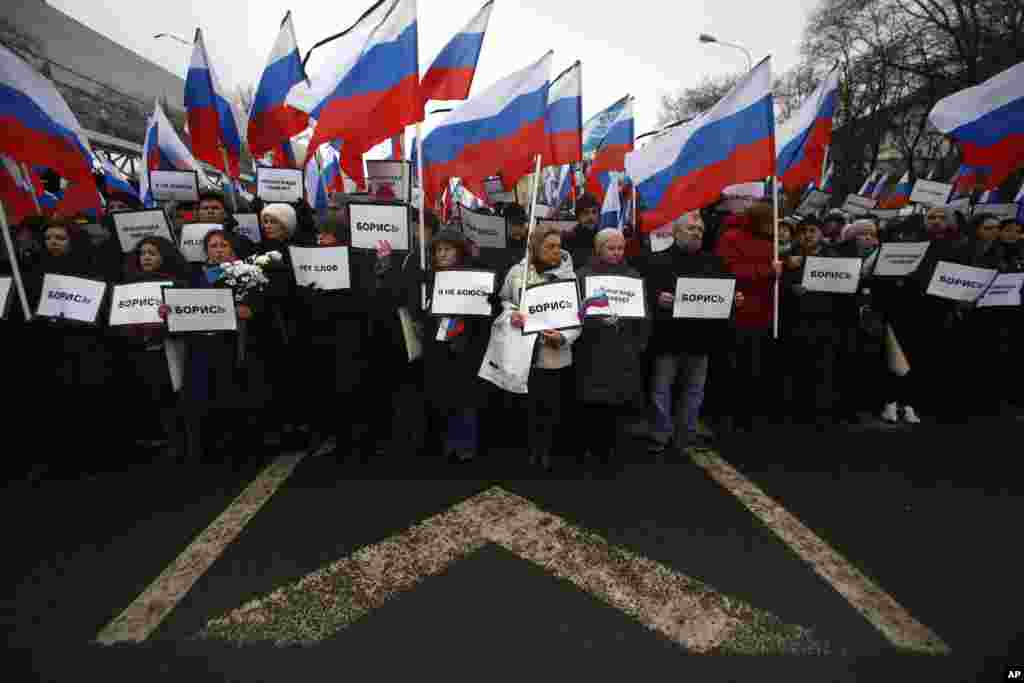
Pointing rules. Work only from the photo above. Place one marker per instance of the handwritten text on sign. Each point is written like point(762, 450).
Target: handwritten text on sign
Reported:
point(192, 238)
point(703, 297)
point(70, 297)
point(178, 186)
point(959, 283)
point(834, 275)
point(137, 304)
point(279, 184)
point(372, 223)
point(487, 231)
point(135, 226)
point(898, 259)
point(200, 310)
point(5, 296)
point(625, 295)
point(326, 268)
point(462, 292)
point(1005, 291)
point(551, 306)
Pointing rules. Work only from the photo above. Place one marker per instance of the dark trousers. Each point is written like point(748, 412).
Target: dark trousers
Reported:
point(598, 429)
point(544, 409)
point(754, 391)
point(813, 352)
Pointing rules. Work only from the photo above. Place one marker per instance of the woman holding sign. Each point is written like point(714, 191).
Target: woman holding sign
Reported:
point(545, 262)
point(609, 355)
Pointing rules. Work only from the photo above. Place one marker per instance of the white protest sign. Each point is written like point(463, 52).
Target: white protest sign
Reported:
point(70, 297)
point(564, 227)
point(704, 297)
point(462, 292)
point(372, 223)
point(137, 304)
point(551, 306)
point(898, 259)
point(200, 310)
point(1004, 291)
point(192, 237)
point(389, 179)
point(325, 267)
point(930, 193)
point(135, 226)
point(834, 275)
point(5, 296)
point(813, 202)
point(489, 232)
point(625, 295)
point(1001, 211)
point(857, 205)
point(249, 226)
point(544, 211)
point(959, 283)
point(177, 186)
point(279, 184)
point(662, 239)
point(962, 205)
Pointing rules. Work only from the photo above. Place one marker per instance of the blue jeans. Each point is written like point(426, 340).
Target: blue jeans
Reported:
point(462, 431)
point(693, 369)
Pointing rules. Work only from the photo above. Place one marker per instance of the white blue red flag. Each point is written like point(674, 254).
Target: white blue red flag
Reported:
point(868, 188)
point(272, 123)
point(803, 138)
point(451, 74)
point(564, 121)
point(116, 184)
point(900, 195)
point(211, 120)
point(16, 191)
point(609, 155)
point(688, 167)
point(611, 207)
point(987, 121)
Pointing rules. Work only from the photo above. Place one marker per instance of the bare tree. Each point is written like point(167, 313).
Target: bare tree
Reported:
point(696, 100)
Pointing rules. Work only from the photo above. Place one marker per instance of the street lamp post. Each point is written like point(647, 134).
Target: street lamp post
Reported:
point(705, 38)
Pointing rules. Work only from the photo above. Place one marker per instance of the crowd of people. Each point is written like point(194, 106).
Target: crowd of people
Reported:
point(330, 371)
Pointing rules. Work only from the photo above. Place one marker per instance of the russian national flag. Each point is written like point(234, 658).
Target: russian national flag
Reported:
point(611, 207)
point(564, 120)
point(451, 74)
point(688, 167)
point(272, 123)
point(491, 134)
point(16, 191)
point(116, 185)
point(81, 199)
point(987, 121)
point(565, 183)
point(900, 195)
point(211, 120)
point(966, 180)
point(868, 188)
point(611, 151)
point(598, 300)
point(150, 160)
point(802, 139)
point(397, 151)
point(36, 124)
point(370, 89)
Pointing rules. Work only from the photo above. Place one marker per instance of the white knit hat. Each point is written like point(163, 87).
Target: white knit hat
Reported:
point(284, 213)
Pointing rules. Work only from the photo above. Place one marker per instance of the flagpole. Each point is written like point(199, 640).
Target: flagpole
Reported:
point(231, 184)
point(15, 268)
point(423, 195)
point(775, 230)
point(824, 168)
point(529, 231)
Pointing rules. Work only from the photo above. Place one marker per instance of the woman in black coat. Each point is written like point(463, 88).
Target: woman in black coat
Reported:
point(609, 355)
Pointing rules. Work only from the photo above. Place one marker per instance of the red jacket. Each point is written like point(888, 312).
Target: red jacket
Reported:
point(749, 257)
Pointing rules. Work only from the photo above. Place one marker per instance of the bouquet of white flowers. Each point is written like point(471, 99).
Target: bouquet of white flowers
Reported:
point(247, 276)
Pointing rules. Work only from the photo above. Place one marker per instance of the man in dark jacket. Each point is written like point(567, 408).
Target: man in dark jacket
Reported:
point(212, 209)
point(580, 244)
point(681, 347)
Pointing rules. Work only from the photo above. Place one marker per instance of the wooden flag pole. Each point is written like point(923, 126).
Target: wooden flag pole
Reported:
point(15, 268)
point(423, 212)
point(529, 232)
point(824, 168)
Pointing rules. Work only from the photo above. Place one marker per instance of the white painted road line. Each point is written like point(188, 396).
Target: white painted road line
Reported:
point(138, 621)
point(877, 606)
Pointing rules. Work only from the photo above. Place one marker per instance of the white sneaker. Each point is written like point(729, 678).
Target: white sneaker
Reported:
point(891, 414)
point(910, 417)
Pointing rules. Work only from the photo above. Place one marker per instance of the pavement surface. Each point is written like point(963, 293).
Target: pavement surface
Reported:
point(930, 514)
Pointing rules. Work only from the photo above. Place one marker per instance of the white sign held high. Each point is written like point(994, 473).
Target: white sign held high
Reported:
point(200, 310)
point(134, 226)
point(325, 267)
point(279, 184)
point(192, 238)
point(857, 205)
point(834, 275)
point(177, 186)
point(930, 193)
point(625, 295)
point(704, 297)
point(960, 283)
point(489, 232)
point(372, 223)
point(137, 304)
point(462, 292)
point(897, 259)
point(1004, 291)
point(73, 298)
point(249, 226)
point(389, 179)
point(551, 306)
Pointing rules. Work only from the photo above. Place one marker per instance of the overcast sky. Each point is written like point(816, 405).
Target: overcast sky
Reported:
point(641, 47)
